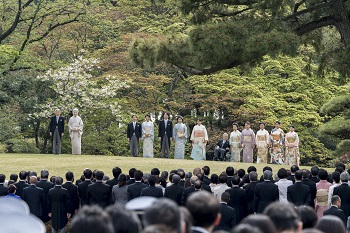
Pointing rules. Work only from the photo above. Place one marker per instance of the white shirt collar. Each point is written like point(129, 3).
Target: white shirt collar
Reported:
point(200, 229)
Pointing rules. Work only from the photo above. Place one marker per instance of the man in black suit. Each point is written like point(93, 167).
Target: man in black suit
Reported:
point(343, 191)
point(250, 192)
point(99, 193)
point(34, 197)
point(206, 171)
point(165, 134)
point(222, 147)
point(230, 172)
point(73, 192)
point(83, 187)
point(3, 189)
point(56, 129)
point(134, 190)
point(266, 192)
point(314, 174)
point(174, 191)
point(204, 186)
point(299, 193)
point(228, 217)
point(134, 133)
point(21, 184)
point(152, 190)
point(238, 199)
point(131, 176)
point(46, 186)
point(205, 211)
point(335, 209)
point(187, 191)
point(59, 206)
point(293, 169)
point(311, 184)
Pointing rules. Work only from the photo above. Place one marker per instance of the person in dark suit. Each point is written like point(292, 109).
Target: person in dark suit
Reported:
point(343, 191)
point(174, 191)
point(293, 169)
point(266, 192)
point(21, 184)
point(99, 193)
point(152, 191)
point(56, 129)
point(59, 206)
point(222, 147)
point(83, 187)
point(165, 133)
point(134, 133)
point(187, 191)
point(250, 192)
point(314, 174)
point(205, 211)
point(238, 199)
point(230, 172)
point(73, 192)
point(131, 176)
point(335, 209)
point(299, 193)
point(116, 172)
point(3, 189)
point(228, 217)
point(206, 171)
point(34, 197)
point(46, 186)
point(311, 184)
point(134, 190)
point(204, 186)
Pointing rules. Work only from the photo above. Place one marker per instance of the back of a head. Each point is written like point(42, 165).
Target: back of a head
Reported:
point(33, 180)
point(335, 199)
point(267, 175)
point(152, 180)
point(314, 171)
point(165, 211)
point(241, 173)
point(230, 171)
point(282, 173)
point(225, 197)
point(2, 178)
point(308, 216)
point(253, 176)
point(267, 168)
point(322, 174)
point(132, 172)
point(176, 179)
point(283, 215)
point(116, 171)
point(158, 228)
point(214, 179)
point(251, 169)
point(69, 176)
point(138, 175)
point(306, 174)
point(121, 180)
point(196, 171)
point(22, 175)
point(294, 168)
point(200, 176)
point(204, 208)
point(44, 174)
point(223, 178)
point(58, 180)
point(194, 179)
point(245, 179)
point(155, 172)
point(33, 173)
point(181, 173)
point(12, 188)
point(330, 224)
point(206, 170)
point(87, 173)
point(124, 221)
point(344, 177)
point(299, 175)
point(198, 184)
point(245, 228)
point(262, 222)
point(91, 219)
point(342, 165)
point(336, 177)
point(99, 175)
point(236, 180)
point(14, 177)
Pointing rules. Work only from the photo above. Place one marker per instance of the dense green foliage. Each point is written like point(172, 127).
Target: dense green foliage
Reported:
point(274, 74)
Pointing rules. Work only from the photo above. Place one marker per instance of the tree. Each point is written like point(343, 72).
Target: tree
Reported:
point(227, 34)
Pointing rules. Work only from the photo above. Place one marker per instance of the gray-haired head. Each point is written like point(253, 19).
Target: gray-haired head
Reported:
point(176, 179)
point(44, 174)
point(75, 110)
point(344, 176)
point(267, 175)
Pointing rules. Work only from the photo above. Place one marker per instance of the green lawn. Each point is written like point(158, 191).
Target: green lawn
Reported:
point(59, 165)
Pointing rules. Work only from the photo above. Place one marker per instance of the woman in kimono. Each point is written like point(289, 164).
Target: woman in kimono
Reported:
point(248, 143)
point(147, 137)
point(235, 138)
point(292, 147)
point(75, 125)
point(199, 138)
point(276, 150)
point(262, 143)
point(180, 137)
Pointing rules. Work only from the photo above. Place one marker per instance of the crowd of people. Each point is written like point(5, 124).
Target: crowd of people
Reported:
point(236, 200)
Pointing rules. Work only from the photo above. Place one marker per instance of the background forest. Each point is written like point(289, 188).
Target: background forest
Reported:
point(224, 61)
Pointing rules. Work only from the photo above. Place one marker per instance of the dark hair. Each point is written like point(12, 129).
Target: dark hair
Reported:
point(200, 176)
point(124, 221)
point(132, 172)
point(204, 208)
point(87, 173)
point(148, 115)
point(165, 210)
point(245, 228)
point(99, 175)
point(206, 170)
point(308, 216)
point(234, 123)
point(225, 197)
point(267, 168)
point(198, 184)
point(121, 180)
point(322, 174)
point(152, 180)
point(33, 173)
point(262, 123)
point(69, 176)
point(214, 178)
point(334, 199)
point(336, 177)
point(278, 122)
point(235, 180)
point(2, 178)
point(230, 171)
point(53, 179)
point(342, 165)
point(12, 188)
point(91, 219)
point(177, 118)
point(155, 171)
point(283, 215)
point(199, 119)
point(22, 175)
point(330, 224)
point(262, 222)
point(116, 172)
point(175, 179)
point(253, 176)
point(282, 173)
point(10, 182)
point(164, 174)
point(294, 168)
point(314, 170)
point(247, 123)
point(245, 179)
point(251, 169)
point(241, 172)
point(14, 177)
point(306, 174)
point(58, 180)
point(138, 175)
point(299, 175)
point(133, 115)
point(223, 178)
point(181, 174)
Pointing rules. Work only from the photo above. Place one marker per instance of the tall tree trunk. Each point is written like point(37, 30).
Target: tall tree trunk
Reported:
point(342, 21)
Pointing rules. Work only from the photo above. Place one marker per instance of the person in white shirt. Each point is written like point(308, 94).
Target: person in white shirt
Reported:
point(222, 186)
point(283, 184)
point(336, 183)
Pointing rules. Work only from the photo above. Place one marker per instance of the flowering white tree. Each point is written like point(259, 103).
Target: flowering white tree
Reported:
point(75, 86)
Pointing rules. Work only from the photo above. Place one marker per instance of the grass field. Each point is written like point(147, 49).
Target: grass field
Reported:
point(58, 165)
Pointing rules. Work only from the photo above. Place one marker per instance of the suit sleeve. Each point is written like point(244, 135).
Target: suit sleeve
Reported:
point(129, 194)
point(140, 131)
point(159, 128)
point(88, 195)
point(233, 219)
point(308, 199)
point(183, 198)
point(289, 196)
point(68, 203)
point(49, 202)
point(62, 124)
point(50, 125)
point(128, 131)
point(256, 199)
point(171, 129)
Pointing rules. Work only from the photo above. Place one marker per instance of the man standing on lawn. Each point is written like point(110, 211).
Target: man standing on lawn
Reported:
point(56, 131)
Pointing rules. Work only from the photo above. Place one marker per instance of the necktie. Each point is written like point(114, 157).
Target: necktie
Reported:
point(134, 125)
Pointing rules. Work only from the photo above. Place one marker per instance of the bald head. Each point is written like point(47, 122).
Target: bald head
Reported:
point(33, 180)
point(194, 179)
point(196, 171)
